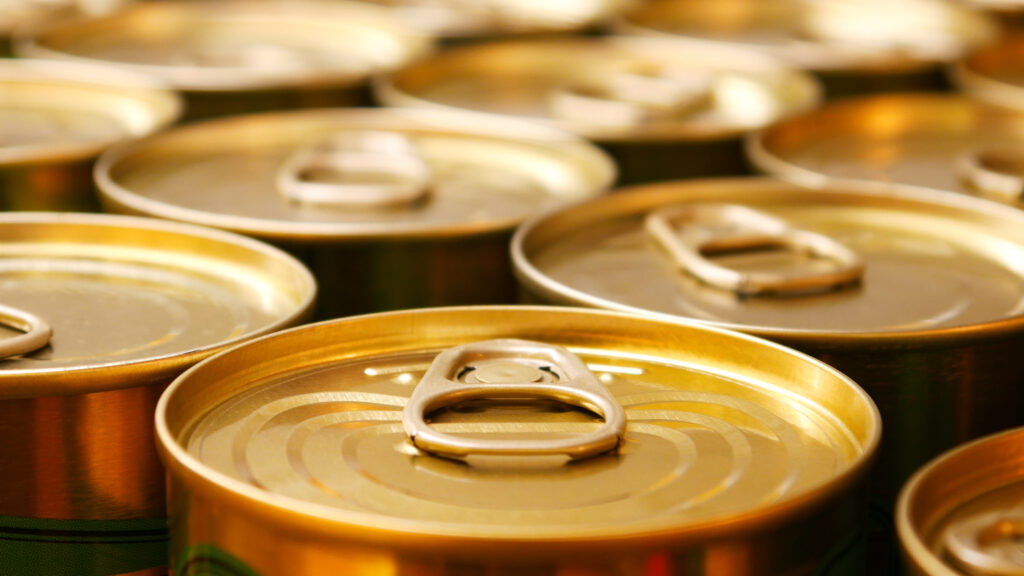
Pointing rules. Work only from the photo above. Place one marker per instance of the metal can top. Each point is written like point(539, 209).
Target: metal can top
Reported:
point(15, 13)
point(512, 425)
point(843, 263)
point(484, 18)
point(95, 302)
point(612, 88)
point(237, 46)
point(963, 513)
point(940, 141)
point(61, 111)
point(874, 36)
point(354, 174)
point(995, 73)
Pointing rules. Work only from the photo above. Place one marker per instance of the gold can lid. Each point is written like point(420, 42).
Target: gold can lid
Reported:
point(832, 35)
point(941, 141)
point(611, 88)
point(515, 425)
point(93, 302)
point(963, 513)
point(54, 111)
point(995, 73)
point(354, 174)
point(778, 259)
point(237, 46)
point(485, 18)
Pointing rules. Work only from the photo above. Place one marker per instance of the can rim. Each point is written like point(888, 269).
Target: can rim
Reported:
point(30, 383)
point(534, 279)
point(328, 521)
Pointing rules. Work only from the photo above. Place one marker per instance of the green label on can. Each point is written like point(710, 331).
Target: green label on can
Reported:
point(49, 547)
point(208, 560)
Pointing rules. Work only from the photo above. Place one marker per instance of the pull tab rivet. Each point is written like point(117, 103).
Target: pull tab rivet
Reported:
point(508, 373)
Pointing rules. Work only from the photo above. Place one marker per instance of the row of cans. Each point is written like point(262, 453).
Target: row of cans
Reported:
point(650, 438)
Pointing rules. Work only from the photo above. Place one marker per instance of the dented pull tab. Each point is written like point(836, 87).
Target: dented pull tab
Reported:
point(511, 369)
point(631, 98)
point(690, 233)
point(996, 172)
point(357, 168)
point(35, 332)
point(988, 544)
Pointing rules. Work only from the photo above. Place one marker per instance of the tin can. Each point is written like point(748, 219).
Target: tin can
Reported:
point(99, 313)
point(512, 440)
point(994, 74)
point(913, 293)
point(56, 119)
point(390, 208)
point(963, 513)
point(460, 21)
point(234, 57)
point(662, 108)
point(854, 46)
point(940, 141)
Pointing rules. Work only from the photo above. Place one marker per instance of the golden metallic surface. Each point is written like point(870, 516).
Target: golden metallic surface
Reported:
point(482, 175)
point(240, 56)
point(56, 118)
point(995, 74)
point(921, 139)
point(961, 514)
point(733, 448)
point(855, 45)
point(928, 331)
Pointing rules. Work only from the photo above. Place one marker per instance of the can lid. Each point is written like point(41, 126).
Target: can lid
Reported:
point(354, 174)
point(995, 73)
point(941, 141)
point(52, 111)
point(99, 302)
point(212, 47)
point(15, 13)
point(963, 513)
point(835, 35)
point(512, 424)
point(782, 260)
point(612, 88)
point(481, 18)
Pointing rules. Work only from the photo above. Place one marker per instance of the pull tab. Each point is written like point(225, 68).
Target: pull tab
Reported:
point(631, 98)
point(358, 168)
point(997, 172)
point(511, 369)
point(688, 233)
point(988, 544)
point(36, 332)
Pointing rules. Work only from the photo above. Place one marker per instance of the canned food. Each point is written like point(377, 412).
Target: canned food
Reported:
point(915, 294)
point(854, 46)
point(234, 57)
point(390, 208)
point(940, 141)
point(512, 440)
point(99, 313)
point(963, 513)
point(995, 74)
point(56, 118)
point(662, 108)
point(460, 20)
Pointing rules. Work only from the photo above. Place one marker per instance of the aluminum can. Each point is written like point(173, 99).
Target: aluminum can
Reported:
point(98, 313)
point(663, 108)
point(913, 293)
point(389, 208)
point(512, 440)
point(234, 57)
point(854, 46)
point(963, 513)
point(57, 117)
point(942, 141)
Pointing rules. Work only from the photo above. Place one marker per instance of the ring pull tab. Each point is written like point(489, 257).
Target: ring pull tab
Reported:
point(359, 168)
point(511, 369)
point(996, 172)
point(689, 233)
point(35, 332)
point(632, 97)
point(988, 544)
